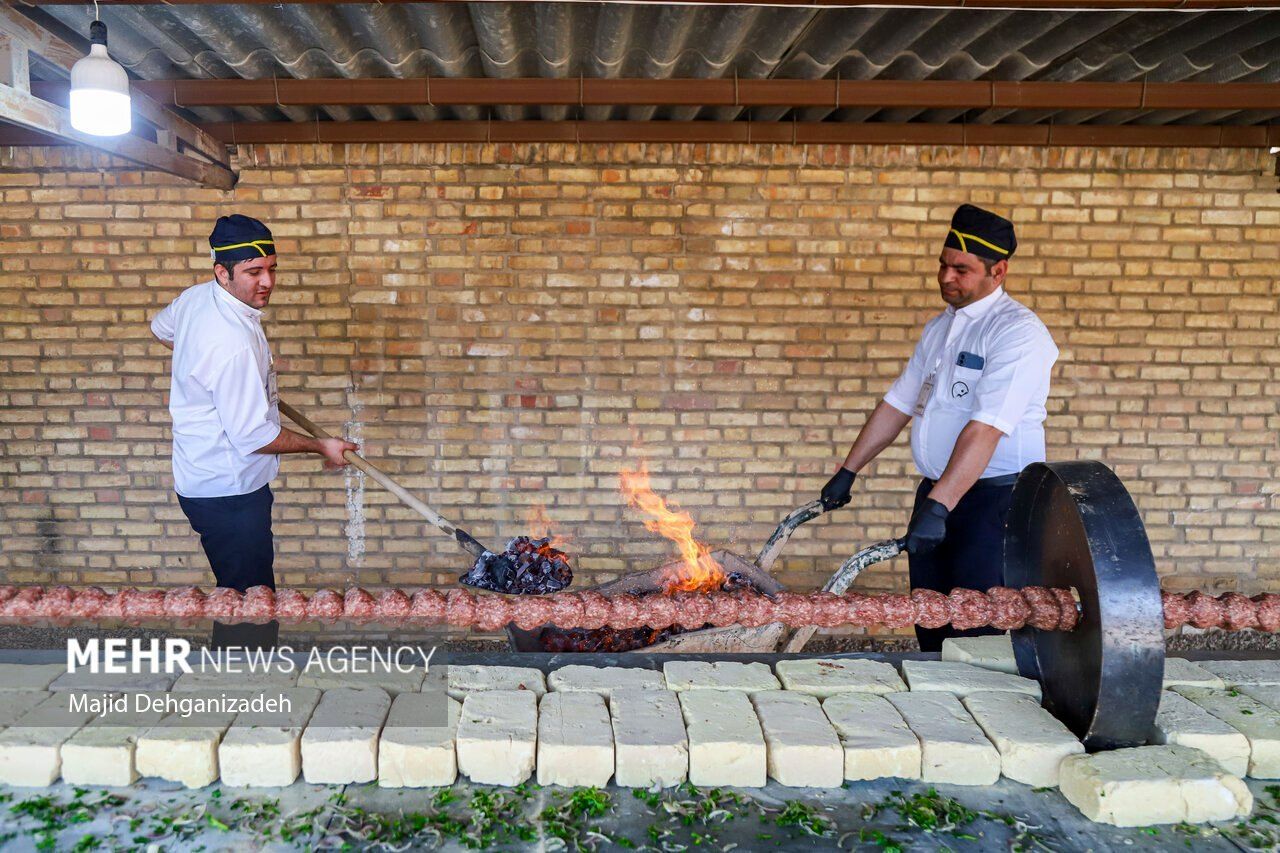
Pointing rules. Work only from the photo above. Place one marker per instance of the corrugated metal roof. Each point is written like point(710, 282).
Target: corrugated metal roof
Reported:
point(504, 40)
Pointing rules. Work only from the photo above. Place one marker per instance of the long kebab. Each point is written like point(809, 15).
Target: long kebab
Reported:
point(999, 607)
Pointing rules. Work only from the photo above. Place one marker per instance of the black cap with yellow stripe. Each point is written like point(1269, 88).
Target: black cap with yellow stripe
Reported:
point(982, 233)
point(237, 238)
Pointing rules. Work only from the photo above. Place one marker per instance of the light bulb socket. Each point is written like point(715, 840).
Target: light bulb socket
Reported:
point(98, 33)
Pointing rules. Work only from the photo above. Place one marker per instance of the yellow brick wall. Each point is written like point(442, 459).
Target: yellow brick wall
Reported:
point(504, 326)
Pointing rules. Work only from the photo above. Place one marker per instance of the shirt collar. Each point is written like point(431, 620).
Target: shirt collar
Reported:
point(243, 310)
point(974, 310)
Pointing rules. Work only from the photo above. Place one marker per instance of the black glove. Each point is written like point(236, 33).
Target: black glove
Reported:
point(928, 527)
point(835, 493)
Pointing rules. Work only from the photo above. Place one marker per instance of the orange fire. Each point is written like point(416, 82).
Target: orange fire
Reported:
point(699, 571)
point(542, 527)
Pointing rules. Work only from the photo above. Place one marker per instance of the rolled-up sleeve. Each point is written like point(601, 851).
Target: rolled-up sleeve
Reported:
point(904, 392)
point(162, 324)
point(1016, 374)
point(240, 400)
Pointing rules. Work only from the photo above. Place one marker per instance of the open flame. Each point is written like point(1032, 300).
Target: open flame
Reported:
point(699, 572)
point(542, 527)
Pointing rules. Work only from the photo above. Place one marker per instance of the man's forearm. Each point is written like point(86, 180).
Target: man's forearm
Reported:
point(289, 441)
point(974, 446)
point(877, 433)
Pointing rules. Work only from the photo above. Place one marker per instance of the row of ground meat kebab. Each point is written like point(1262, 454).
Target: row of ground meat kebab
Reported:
point(999, 607)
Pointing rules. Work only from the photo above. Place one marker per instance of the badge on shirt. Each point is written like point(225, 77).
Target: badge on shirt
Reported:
point(273, 387)
point(922, 400)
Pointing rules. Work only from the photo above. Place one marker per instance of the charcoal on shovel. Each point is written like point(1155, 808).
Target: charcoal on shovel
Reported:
point(540, 569)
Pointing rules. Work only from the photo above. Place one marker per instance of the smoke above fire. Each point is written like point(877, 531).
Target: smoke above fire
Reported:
point(541, 526)
point(698, 571)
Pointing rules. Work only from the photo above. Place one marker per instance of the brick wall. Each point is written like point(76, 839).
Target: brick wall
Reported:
point(508, 326)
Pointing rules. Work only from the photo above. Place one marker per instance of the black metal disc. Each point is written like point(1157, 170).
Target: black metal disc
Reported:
point(1073, 524)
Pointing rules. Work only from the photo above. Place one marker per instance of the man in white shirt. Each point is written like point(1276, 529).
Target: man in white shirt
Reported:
point(227, 436)
point(976, 386)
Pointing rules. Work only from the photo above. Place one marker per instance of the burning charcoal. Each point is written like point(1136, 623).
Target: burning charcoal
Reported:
point(604, 639)
point(540, 569)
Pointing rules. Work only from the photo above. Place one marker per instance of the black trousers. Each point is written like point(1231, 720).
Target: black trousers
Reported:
point(969, 557)
point(235, 533)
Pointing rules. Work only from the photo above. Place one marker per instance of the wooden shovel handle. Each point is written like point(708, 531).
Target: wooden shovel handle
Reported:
point(368, 468)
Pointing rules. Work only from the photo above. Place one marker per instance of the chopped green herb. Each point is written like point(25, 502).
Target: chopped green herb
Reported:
point(928, 812)
point(652, 799)
point(86, 843)
point(568, 820)
point(878, 838)
point(805, 818)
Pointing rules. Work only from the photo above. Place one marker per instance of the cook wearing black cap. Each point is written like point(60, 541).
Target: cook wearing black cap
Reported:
point(976, 387)
point(227, 436)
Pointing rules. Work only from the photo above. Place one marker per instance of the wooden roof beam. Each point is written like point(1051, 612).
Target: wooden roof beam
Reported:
point(32, 114)
point(21, 105)
point(452, 91)
point(793, 133)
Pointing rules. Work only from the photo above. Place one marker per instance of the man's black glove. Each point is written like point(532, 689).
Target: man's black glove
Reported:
point(835, 493)
point(928, 527)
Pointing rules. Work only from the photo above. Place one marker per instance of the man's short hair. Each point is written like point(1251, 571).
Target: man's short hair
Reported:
point(230, 266)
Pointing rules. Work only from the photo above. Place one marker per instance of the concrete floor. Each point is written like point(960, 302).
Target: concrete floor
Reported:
point(1047, 820)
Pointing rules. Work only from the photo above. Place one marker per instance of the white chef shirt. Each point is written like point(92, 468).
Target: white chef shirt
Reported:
point(1010, 354)
point(223, 396)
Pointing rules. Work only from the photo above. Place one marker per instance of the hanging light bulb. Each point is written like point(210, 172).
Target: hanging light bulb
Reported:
point(100, 90)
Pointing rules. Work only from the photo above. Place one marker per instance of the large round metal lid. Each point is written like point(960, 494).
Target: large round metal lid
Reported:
point(1073, 525)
